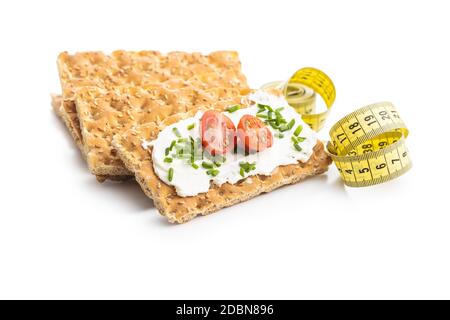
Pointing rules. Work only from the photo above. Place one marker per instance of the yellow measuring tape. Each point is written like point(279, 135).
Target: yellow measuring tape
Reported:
point(367, 146)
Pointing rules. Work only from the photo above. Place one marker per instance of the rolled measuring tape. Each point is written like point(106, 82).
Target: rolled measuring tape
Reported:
point(367, 146)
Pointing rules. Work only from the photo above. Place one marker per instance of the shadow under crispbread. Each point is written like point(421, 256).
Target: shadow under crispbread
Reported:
point(182, 209)
point(144, 68)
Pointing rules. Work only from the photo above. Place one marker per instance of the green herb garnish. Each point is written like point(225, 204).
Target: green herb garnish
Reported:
point(213, 172)
point(262, 106)
point(170, 176)
point(191, 126)
point(298, 130)
point(207, 165)
point(297, 140)
point(272, 123)
point(176, 132)
point(291, 124)
point(247, 167)
point(195, 166)
point(287, 127)
point(268, 108)
point(233, 108)
point(168, 160)
point(297, 147)
point(174, 142)
point(192, 145)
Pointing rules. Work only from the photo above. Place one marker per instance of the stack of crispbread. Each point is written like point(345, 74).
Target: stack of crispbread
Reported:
point(111, 103)
point(103, 95)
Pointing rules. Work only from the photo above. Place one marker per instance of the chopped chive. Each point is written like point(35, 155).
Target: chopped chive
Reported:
point(168, 160)
point(278, 114)
point(176, 132)
point(262, 106)
point(191, 126)
point(170, 177)
point(298, 130)
point(273, 125)
point(233, 108)
point(283, 128)
point(247, 167)
point(291, 124)
point(261, 110)
point(270, 114)
point(207, 165)
point(167, 151)
point(297, 147)
point(182, 140)
point(213, 172)
point(279, 109)
point(301, 139)
point(277, 121)
point(263, 116)
point(192, 149)
point(242, 172)
point(269, 108)
point(217, 163)
point(279, 135)
point(195, 166)
point(174, 142)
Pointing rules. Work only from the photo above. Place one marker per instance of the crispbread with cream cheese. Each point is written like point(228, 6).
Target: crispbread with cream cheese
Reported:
point(143, 68)
point(182, 209)
point(104, 113)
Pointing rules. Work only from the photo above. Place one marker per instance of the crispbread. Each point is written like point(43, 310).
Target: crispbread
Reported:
point(56, 101)
point(70, 119)
point(143, 68)
point(182, 209)
point(104, 113)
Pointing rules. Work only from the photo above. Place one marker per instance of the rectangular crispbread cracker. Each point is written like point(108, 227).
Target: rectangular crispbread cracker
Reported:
point(56, 101)
point(142, 69)
point(104, 113)
point(182, 209)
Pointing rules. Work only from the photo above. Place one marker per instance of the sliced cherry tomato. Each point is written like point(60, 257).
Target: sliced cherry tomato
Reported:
point(218, 133)
point(254, 134)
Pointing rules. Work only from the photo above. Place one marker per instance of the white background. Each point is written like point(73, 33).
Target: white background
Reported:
point(63, 235)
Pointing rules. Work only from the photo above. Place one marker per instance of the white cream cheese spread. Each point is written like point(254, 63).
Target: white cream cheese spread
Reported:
point(191, 178)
